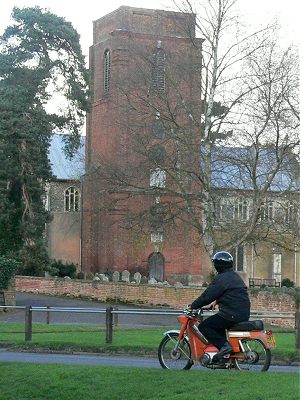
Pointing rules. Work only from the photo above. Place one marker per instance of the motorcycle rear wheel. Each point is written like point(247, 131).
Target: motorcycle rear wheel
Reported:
point(256, 356)
point(171, 359)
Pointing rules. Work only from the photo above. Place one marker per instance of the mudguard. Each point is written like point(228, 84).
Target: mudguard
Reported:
point(177, 331)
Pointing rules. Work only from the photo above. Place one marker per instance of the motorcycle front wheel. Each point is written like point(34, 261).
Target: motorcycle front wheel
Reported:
point(254, 357)
point(172, 357)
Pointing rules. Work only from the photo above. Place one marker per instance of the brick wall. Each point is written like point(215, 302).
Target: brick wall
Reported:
point(150, 295)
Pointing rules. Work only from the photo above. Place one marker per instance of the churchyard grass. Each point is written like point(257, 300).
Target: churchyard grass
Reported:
point(20, 381)
point(91, 338)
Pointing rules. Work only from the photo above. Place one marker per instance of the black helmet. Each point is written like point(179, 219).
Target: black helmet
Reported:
point(222, 260)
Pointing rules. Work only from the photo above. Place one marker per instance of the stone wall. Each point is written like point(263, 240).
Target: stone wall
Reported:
point(148, 295)
point(63, 232)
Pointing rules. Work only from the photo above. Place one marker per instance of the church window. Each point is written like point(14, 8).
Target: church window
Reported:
point(71, 199)
point(238, 254)
point(267, 211)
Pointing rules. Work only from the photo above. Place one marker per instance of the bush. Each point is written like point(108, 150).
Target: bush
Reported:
point(34, 260)
point(8, 268)
point(63, 270)
point(287, 282)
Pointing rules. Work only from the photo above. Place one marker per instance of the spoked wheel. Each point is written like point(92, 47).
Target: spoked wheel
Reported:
point(254, 357)
point(170, 356)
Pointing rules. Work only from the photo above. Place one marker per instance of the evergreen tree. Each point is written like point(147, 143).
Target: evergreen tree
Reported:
point(40, 55)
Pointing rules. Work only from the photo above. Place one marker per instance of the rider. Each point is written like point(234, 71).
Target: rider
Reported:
point(229, 291)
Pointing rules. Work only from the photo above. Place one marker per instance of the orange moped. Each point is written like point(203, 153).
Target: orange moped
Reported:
point(181, 349)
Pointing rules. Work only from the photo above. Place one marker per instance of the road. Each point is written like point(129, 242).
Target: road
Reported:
point(101, 360)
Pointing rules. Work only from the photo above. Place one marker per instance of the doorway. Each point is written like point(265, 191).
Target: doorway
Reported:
point(156, 264)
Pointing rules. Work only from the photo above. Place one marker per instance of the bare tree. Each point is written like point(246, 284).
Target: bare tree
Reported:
point(207, 152)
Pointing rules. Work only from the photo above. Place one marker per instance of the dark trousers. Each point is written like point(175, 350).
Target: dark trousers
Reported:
point(214, 329)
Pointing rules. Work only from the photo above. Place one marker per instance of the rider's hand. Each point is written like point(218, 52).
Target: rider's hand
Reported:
point(189, 308)
point(212, 305)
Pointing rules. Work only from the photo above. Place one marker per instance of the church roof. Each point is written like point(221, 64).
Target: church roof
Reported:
point(236, 168)
point(63, 167)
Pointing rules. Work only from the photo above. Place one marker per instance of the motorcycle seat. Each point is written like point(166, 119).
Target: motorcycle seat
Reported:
point(256, 325)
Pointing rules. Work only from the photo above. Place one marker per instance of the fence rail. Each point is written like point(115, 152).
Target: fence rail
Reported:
point(111, 315)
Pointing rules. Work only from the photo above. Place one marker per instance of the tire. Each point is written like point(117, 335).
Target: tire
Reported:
point(181, 359)
point(256, 357)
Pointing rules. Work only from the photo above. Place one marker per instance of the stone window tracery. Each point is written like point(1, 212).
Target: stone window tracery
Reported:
point(71, 199)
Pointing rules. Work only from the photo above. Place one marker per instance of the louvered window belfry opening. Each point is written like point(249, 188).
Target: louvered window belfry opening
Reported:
point(107, 66)
point(158, 69)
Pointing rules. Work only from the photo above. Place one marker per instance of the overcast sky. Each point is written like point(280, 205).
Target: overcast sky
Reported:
point(82, 13)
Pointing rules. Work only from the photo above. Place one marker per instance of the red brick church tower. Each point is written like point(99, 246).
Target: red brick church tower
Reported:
point(144, 81)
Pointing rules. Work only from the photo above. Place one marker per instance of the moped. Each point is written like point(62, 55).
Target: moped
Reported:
point(181, 349)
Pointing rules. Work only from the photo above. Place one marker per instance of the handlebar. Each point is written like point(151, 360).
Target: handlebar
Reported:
point(191, 313)
point(196, 313)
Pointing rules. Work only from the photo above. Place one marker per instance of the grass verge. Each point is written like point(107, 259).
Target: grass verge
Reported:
point(91, 338)
point(70, 382)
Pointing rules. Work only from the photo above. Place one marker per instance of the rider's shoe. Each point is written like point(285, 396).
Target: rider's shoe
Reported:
point(224, 351)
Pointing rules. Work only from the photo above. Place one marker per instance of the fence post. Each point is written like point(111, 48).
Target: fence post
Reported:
point(28, 323)
point(297, 328)
point(109, 324)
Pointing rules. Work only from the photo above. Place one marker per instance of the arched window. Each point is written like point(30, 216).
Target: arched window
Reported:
point(158, 69)
point(71, 199)
point(106, 77)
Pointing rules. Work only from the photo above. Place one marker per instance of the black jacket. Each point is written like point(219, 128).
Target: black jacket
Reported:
point(231, 294)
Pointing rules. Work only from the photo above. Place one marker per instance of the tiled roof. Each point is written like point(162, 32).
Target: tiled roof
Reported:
point(233, 168)
point(62, 167)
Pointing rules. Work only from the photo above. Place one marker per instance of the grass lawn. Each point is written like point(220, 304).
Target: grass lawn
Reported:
point(92, 338)
point(70, 382)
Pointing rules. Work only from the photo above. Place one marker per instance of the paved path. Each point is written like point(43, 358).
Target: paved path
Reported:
point(26, 299)
point(101, 360)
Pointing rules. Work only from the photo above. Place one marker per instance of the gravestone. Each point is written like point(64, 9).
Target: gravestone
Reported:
point(116, 276)
point(125, 276)
point(137, 277)
point(144, 280)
